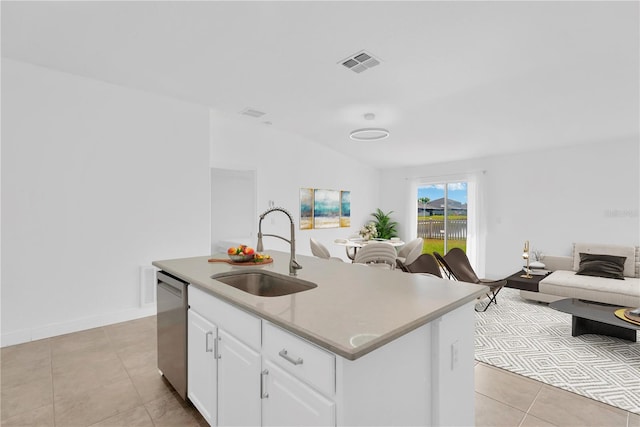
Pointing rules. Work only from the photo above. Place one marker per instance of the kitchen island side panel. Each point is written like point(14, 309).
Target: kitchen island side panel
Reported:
point(389, 386)
point(422, 378)
point(452, 382)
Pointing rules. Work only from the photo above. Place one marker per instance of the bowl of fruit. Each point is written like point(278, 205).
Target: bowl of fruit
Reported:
point(242, 253)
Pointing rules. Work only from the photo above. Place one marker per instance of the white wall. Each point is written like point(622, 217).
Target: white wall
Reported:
point(97, 180)
point(584, 193)
point(284, 163)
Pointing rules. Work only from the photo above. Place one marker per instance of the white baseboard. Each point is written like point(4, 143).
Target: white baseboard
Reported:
point(15, 337)
point(55, 329)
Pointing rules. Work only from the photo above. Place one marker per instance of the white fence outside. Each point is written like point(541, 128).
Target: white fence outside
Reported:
point(434, 229)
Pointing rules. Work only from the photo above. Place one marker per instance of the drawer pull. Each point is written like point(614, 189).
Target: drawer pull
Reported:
point(207, 346)
point(283, 353)
point(263, 384)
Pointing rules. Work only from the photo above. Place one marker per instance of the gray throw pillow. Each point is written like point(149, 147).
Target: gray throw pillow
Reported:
point(609, 266)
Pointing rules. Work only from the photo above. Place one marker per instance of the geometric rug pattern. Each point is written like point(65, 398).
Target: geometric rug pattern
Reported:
point(533, 340)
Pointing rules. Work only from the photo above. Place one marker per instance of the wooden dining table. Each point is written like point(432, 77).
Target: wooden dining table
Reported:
point(353, 244)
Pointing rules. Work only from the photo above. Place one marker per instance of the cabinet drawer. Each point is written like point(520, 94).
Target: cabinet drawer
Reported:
point(301, 358)
point(290, 402)
point(237, 322)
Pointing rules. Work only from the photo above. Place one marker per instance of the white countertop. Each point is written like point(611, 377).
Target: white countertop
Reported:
point(353, 310)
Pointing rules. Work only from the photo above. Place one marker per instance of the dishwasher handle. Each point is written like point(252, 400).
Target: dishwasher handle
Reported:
point(173, 282)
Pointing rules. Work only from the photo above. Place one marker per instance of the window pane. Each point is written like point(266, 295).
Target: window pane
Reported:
point(457, 215)
point(442, 216)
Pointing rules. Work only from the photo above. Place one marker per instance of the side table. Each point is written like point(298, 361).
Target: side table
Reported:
point(529, 287)
point(523, 283)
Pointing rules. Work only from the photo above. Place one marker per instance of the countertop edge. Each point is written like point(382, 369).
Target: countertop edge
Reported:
point(320, 341)
point(326, 344)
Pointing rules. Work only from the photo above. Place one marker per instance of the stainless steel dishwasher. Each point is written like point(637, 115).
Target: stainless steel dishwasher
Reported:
point(172, 330)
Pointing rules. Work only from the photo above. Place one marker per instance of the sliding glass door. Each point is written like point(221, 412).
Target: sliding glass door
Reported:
point(442, 216)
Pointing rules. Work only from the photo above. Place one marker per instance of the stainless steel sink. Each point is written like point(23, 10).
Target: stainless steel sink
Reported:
point(264, 283)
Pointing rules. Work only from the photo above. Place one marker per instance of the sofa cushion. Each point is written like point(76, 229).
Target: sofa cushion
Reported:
point(597, 265)
point(626, 251)
point(624, 293)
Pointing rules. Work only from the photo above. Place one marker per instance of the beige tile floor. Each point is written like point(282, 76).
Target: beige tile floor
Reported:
point(108, 377)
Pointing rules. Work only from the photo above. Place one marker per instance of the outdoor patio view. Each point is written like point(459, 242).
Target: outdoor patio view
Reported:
point(442, 216)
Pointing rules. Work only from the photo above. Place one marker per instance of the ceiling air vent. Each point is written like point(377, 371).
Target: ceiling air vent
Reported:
point(360, 62)
point(252, 113)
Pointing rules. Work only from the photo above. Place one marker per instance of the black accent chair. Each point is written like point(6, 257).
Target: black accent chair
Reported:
point(443, 266)
point(459, 267)
point(425, 263)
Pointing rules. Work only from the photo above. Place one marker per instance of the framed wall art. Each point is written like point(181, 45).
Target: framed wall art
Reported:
point(326, 208)
point(345, 209)
point(306, 208)
point(320, 208)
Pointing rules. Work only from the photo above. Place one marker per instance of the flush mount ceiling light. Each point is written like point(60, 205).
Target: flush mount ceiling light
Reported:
point(369, 134)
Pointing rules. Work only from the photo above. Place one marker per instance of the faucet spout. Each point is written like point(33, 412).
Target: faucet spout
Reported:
point(293, 264)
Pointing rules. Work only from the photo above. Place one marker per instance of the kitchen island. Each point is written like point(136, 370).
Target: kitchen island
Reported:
point(380, 347)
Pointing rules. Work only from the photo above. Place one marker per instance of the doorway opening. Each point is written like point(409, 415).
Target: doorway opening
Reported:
point(233, 208)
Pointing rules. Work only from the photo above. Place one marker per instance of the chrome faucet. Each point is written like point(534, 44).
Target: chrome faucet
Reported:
point(293, 264)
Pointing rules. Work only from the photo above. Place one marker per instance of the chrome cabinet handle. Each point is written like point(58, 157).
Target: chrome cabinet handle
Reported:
point(217, 354)
point(284, 354)
point(263, 384)
point(207, 346)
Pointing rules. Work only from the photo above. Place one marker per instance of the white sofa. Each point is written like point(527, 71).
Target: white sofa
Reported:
point(563, 282)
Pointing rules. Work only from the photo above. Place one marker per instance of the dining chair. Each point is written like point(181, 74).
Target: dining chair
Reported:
point(319, 250)
point(408, 253)
point(460, 268)
point(415, 252)
point(377, 254)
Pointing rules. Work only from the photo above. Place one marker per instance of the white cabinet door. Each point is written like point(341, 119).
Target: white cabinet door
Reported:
point(291, 402)
point(201, 377)
point(238, 383)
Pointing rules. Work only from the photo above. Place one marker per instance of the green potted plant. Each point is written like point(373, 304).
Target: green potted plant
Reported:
point(385, 227)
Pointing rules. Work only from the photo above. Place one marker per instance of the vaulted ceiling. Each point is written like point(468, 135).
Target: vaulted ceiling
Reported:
point(455, 80)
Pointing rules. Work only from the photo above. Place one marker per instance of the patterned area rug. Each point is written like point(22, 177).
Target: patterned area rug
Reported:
point(533, 340)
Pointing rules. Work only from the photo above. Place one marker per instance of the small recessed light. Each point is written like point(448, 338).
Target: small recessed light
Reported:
point(369, 134)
